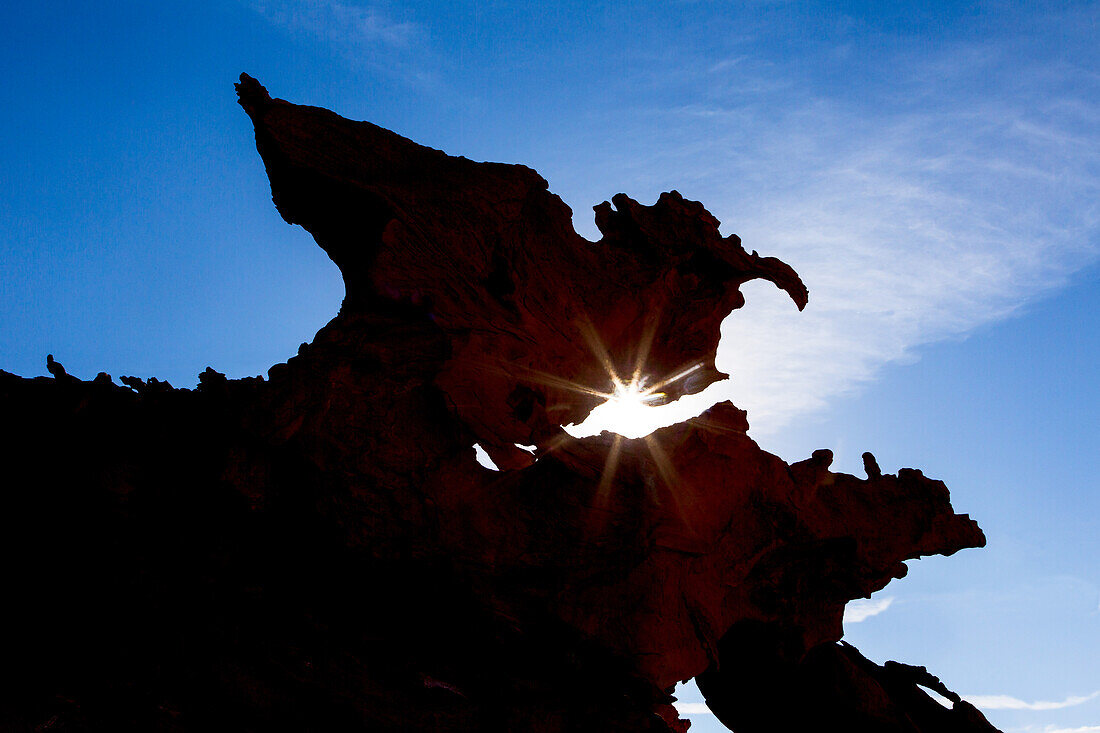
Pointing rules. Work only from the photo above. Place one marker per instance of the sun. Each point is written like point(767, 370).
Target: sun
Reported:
point(635, 395)
point(627, 410)
point(634, 407)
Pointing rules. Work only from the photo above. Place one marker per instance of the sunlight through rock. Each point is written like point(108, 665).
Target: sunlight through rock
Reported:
point(483, 458)
point(634, 410)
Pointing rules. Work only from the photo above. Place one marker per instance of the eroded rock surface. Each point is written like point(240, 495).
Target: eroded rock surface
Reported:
point(321, 550)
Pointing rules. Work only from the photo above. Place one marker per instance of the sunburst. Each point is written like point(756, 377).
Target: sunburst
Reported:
point(625, 411)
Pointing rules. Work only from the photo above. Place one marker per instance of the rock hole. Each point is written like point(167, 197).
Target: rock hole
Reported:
point(483, 458)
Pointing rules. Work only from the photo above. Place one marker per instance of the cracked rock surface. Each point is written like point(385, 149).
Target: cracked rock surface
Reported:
point(320, 550)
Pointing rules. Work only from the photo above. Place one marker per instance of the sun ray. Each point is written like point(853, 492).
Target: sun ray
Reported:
point(712, 426)
point(674, 378)
point(588, 331)
point(610, 466)
point(660, 459)
point(644, 346)
point(667, 473)
point(554, 443)
point(540, 377)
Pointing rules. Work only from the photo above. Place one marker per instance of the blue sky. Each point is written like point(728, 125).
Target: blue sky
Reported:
point(932, 170)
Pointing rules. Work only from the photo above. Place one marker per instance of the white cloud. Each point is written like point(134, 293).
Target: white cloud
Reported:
point(932, 227)
point(356, 26)
point(862, 609)
point(692, 708)
point(912, 221)
point(1006, 702)
point(988, 702)
point(1084, 729)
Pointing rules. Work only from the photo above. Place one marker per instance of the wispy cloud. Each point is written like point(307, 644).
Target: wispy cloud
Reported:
point(692, 708)
point(366, 33)
point(1006, 702)
point(864, 608)
point(358, 27)
point(935, 225)
point(987, 702)
point(1084, 729)
point(952, 204)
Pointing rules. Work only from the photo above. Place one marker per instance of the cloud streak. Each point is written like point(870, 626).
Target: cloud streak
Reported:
point(950, 203)
point(1006, 702)
point(864, 608)
point(933, 225)
point(355, 27)
point(987, 702)
point(692, 708)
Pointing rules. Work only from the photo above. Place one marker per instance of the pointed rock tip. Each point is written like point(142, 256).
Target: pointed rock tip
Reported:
point(251, 94)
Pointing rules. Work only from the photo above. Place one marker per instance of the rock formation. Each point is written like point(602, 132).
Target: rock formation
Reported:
point(320, 550)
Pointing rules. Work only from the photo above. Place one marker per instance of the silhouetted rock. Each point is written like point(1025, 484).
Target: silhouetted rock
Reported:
point(322, 551)
point(870, 465)
point(57, 369)
point(781, 685)
point(135, 383)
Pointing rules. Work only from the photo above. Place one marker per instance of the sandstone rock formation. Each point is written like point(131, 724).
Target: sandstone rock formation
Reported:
point(320, 550)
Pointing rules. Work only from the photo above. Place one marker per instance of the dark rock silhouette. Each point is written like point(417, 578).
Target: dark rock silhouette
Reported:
point(780, 684)
point(57, 369)
point(321, 551)
point(870, 466)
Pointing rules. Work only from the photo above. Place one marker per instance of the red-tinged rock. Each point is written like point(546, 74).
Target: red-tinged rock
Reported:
point(322, 551)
